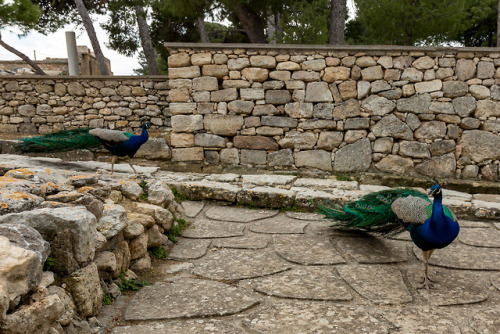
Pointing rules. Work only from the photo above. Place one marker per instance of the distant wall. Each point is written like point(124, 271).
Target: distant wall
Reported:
point(401, 110)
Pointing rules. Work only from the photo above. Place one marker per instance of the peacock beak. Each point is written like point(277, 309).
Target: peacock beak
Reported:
point(431, 192)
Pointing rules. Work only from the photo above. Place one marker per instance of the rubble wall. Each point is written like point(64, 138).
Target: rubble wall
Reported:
point(399, 110)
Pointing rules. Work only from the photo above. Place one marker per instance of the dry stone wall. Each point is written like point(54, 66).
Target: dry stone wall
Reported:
point(411, 111)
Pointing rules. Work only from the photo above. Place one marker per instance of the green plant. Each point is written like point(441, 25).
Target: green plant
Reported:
point(48, 264)
point(106, 298)
point(131, 284)
point(176, 229)
point(177, 196)
point(158, 252)
point(144, 194)
point(343, 177)
point(294, 208)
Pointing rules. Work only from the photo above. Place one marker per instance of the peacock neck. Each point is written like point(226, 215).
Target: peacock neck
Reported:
point(144, 134)
point(438, 216)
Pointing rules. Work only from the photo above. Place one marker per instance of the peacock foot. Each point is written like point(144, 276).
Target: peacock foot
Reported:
point(426, 283)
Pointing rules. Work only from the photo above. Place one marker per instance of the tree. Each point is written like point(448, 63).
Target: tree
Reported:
point(20, 13)
point(411, 22)
point(305, 22)
point(480, 24)
point(337, 21)
point(498, 24)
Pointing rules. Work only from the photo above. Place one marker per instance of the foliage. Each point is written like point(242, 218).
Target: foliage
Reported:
point(22, 13)
point(479, 28)
point(48, 264)
point(158, 252)
point(122, 29)
point(293, 208)
point(177, 195)
point(143, 69)
point(176, 230)
point(106, 298)
point(131, 284)
point(305, 22)
point(144, 194)
point(343, 177)
point(410, 22)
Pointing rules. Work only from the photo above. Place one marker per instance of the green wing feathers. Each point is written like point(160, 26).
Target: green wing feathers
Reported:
point(60, 141)
point(372, 211)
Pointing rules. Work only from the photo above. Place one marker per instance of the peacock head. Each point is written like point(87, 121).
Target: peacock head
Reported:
point(145, 123)
point(435, 191)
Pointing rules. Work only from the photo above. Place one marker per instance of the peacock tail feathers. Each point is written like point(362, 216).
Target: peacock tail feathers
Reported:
point(65, 140)
point(372, 211)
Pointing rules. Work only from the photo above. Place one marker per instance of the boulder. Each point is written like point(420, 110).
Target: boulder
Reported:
point(395, 164)
point(391, 126)
point(113, 220)
point(78, 223)
point(162, 216)
point(159, 193)
point(314, 159)
point(439, 167)
point(26, 237)
point(85, 289)
point(480, 145)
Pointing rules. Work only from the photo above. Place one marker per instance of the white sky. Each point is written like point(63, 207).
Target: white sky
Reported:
point(54, 45)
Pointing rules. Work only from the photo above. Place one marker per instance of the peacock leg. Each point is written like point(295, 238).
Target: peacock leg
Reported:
point(130, 163)
point(113, 160)
point(426, 283)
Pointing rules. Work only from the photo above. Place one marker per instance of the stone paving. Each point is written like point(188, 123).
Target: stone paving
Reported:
point(240, 270)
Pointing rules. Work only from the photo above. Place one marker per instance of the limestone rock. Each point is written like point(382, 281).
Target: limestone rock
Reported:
point(314, 159)
point(85, 289)
point(378, 106)
point(159, 193)
point(431, 130)
point(162, 217)
point(26, 237)
point(318, 92)
point(395, 164)
point(441, 166)
point(223, 125)
point(480, 145)
point(417, 104)
point(414, 149)
point(354, 157)
point(299, 140)
point(465, 69)
point(131, 189)
point(391, 126)
point(113, 220)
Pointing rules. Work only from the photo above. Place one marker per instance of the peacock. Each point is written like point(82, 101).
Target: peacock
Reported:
point(431, 224)
point(118, 143)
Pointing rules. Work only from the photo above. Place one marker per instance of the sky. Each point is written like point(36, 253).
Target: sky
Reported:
point(54, 45)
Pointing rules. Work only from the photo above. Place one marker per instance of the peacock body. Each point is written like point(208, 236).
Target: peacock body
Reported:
point(118, 143)
point(431, 224)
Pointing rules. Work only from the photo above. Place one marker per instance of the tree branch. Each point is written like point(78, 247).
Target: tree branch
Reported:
point(24, 57)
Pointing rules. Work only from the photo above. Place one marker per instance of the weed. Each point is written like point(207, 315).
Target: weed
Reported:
point(294, 208)
point(144, 194)
point(143, 184)
point(158, 252)
point(176, 229)
point(106, 299)
point(48, 264)
point(131, 284)
point(177, 196)
point(343, 177)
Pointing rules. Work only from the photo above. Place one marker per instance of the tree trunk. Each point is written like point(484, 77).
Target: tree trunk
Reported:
point(87, 22)
point(202, 30)
point(498, 25)
point(251, 21)
point(21, 55)
point(147, 45)
point(337, 21)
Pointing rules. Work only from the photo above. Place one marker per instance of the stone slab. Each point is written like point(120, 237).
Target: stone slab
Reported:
point(236, 264)
point(187, 249)
point(249, 241)
point(374, 250)
point(377, 283)
point(268, 180)
point(188, 298)
point(480, 237)
point(461, 256)
point(238, 214)
point(202, 326)
point(310, 283)
point(207, 190)
point(307, 249)
point(495, 280)
point(473, 224)
point(313, 317)
point(486, 321)
point(192, 208)
point(450, 287)
point(278, 225)
point(305, 215)
point(203, 228)
point(416, 320)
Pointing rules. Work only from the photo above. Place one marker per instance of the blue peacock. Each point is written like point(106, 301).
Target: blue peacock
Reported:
point(431, 224)
point(119, 143)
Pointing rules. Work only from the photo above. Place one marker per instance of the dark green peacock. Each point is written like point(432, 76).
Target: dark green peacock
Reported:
point(118, 143)
point(431, 224)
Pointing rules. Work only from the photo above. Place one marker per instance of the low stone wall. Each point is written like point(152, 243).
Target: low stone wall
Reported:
point(89, 230)
point(400, 110)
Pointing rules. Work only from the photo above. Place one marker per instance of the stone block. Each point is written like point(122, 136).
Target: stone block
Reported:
point(318, 92)
point(298, 140)
point(280, 158)
point(439, 167)
point(372, 73)
point(187, 123)
point(299, 109)
point(255, 74)
point(314, 159)
point(253, 157)
point(205, 84)
point(238, 64)
point(378, 106)
point(346, 109)
point(428, 86)
point(255, 143)
point(229, 156)
point(85, 289)
point(328, 140)
point(187, 154)
point(252, 94)
point(263, 61)
point(277, 96)
point(465, 69)
point(184, 72)
point(395, 164)
point(199, 59)
point(455, 88)
point(240, 107)
point(209, 140)
point(224, 95)
point(212, 70)
point(182, 139)
point(223, 125)
point(337, 73)
point(306, 76)
point(431, 130)
point(180, 59)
